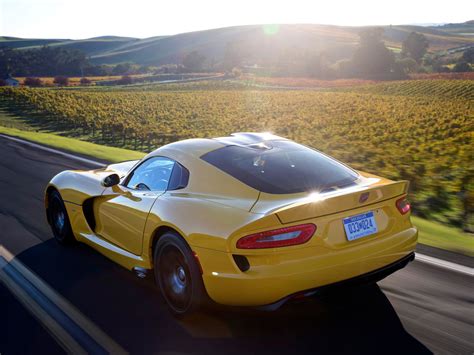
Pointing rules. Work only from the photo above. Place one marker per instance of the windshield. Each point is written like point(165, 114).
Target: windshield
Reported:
point(281, 167)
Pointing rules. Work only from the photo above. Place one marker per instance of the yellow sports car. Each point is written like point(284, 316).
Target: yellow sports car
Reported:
point(250, 220)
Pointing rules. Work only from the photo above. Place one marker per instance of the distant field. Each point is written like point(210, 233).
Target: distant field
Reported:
point(109, 79)
point(445, 90)
point(75, 80)
point(303, 82)
point(444, 76)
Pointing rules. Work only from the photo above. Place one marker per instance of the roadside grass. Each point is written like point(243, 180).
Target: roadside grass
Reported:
point(18, 117)
point(439, 236)
point(72, 145)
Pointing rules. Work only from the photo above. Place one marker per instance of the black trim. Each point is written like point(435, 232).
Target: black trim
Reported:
point(88, 210)
point(242, 262)
point(370, 277)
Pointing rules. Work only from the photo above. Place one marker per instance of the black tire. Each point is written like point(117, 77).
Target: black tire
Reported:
point(59, 220)
point(178, 275)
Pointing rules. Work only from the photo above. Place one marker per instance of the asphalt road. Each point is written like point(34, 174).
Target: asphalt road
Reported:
point(420, 309)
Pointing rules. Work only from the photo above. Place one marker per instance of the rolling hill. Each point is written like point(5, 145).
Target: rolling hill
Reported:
point(256, 41)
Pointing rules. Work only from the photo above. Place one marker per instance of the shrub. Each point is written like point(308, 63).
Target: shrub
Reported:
point(236, 72)
point(462, 67)
point(468, 55)
point(408, 65)
point(125, 80)
point(33, 82)
point(61, 80)
point(85, 81)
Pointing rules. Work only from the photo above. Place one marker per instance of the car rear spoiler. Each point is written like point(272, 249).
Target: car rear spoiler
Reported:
point(295, 208)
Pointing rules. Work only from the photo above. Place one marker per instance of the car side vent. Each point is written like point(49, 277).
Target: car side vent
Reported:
point(242, 262)
point(88, 209)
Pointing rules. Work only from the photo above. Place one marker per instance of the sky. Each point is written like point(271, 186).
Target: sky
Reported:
point(78, 19)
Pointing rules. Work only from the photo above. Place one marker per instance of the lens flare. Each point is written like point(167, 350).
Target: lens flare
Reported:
point(271, 30)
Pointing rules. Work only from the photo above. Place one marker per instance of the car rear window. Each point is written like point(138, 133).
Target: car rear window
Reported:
point(282, 167)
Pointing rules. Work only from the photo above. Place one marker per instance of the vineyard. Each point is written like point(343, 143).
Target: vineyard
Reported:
point(418, 130)
point(448, 89)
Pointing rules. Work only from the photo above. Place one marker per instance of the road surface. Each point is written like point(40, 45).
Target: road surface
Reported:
point(55, 298)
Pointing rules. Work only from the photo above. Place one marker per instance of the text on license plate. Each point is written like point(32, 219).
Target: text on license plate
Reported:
point(360, 225)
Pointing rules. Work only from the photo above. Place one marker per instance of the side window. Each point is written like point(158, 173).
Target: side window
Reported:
point(179, 177)
point(151, 175)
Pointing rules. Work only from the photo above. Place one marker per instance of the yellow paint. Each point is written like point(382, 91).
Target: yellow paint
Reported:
point(215, 210)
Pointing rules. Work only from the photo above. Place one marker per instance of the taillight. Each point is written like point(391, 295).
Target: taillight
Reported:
point(403, 206)
point(281, 237)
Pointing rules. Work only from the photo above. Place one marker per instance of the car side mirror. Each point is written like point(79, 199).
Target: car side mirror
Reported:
point(111, 180)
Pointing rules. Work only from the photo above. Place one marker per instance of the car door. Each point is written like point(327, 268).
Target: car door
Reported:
point(123, 209)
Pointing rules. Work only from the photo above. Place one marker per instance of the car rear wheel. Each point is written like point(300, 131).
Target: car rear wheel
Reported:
point(59, 220)
point(178, 275)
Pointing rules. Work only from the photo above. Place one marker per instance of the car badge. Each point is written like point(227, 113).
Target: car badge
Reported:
point(364, 197)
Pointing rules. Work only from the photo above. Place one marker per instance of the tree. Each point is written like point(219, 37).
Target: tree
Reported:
point(318, 65)
point(232, 56)
point(85, 81)
point(194, 61)
point(7, 60)
point(415, 46)
point(61, 80)
point(125, 80)
point(47, 61)
point(462, 67)
point(144, 69)
point(236, 73)
point(439, 67)
point(372, 59)
point(468, 55)
point(408, 65)
point(3, 82)
point(33, 82)
point(122, 69)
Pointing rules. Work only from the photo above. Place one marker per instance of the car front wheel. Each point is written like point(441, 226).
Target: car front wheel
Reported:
point(59, 220)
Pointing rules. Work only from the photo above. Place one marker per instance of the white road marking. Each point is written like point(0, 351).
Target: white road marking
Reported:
point(445, 264)
point(64, 338)
point(419, 257)
point(55, 151)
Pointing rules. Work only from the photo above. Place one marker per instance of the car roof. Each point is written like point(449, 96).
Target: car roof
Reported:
point(199, 146)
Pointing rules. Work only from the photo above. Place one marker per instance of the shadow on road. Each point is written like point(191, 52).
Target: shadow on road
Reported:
point(354, 320)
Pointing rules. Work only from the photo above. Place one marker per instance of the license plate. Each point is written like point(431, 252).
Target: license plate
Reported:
point(360, 226)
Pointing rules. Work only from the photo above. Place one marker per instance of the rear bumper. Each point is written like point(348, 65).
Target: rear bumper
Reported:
point(282, 277)
point(370, 277)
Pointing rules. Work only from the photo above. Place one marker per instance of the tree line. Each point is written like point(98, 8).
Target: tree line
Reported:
point(370, 59)
point(58, 61)
point(44, 61)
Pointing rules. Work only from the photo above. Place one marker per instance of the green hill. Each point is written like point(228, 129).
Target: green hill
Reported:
point(265, 41)
point(255, 42)
point(89, 46)
point(20, 43)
